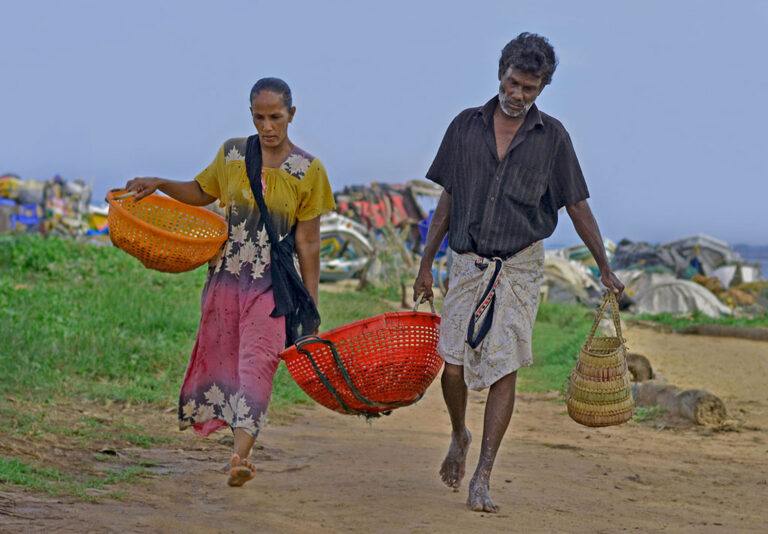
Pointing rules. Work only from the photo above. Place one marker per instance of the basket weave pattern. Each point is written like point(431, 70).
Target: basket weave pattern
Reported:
point(599, 387)
point(390, 360)
point(165, 234)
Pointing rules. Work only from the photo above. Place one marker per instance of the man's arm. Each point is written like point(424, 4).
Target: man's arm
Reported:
point(438, 227)
point(586, 226)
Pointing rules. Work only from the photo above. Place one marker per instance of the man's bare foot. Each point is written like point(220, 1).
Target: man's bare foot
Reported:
point(452, 470)
point(241, 472)
point(479, 499)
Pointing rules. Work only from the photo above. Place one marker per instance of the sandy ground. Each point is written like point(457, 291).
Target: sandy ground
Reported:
point(736, 370)
point(325, 472)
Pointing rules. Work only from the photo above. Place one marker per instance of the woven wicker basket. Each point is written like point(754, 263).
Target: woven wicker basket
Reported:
point(599, 387)
point(164, 234)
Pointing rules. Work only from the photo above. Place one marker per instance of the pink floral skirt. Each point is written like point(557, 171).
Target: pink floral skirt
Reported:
point(228, 381)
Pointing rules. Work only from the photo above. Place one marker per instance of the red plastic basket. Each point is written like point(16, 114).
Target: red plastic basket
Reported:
point(368, 367)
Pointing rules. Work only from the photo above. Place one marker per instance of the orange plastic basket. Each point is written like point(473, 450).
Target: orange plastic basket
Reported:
point(368, 367)
point(164, 234)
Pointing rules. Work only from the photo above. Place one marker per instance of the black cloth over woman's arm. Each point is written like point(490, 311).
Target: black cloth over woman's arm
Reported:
point(292, 299)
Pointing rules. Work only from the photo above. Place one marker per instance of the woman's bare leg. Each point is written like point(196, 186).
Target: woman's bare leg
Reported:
point(241, 470)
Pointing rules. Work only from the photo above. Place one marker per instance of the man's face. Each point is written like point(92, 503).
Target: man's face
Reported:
point(517, 92)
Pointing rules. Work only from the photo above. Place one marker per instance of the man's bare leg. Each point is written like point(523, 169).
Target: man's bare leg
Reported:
point(455, 396)
point(498, 411)
point(241, 470)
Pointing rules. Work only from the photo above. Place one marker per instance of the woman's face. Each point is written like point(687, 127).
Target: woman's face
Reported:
point(271, 118)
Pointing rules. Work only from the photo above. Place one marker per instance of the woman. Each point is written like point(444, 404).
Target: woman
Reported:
point(229, 377)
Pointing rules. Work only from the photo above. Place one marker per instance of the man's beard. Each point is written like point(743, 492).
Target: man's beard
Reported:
point(509, 112)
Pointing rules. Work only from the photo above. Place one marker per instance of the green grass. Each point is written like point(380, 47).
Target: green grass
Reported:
point(677, 322)
point(391, 293)
point(557, 336)
point(83, 320)
point(646, 413)
point(54, 482)
point(79, 319)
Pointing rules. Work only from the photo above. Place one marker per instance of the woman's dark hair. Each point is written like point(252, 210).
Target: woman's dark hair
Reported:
point(275, 85)
point(530, 53)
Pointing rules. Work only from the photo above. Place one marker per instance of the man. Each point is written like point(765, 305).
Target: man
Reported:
point(506, 169)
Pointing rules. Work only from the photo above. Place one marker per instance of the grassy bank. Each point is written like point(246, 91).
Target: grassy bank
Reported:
point(81, 320)
point(677, 322)
point(557, 336)
point(85, 321)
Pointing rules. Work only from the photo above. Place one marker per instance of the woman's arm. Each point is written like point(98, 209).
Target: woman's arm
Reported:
point(186, 192)
point(308, 251)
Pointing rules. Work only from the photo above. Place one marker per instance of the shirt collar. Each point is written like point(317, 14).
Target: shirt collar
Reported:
point(532, 118)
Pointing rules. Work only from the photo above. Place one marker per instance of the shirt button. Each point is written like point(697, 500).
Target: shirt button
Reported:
point(493, 198)
point(498, 178)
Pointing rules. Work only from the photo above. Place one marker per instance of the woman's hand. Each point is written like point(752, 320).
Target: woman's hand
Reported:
point(217, 257)
point(143, 186)
point(187, 192)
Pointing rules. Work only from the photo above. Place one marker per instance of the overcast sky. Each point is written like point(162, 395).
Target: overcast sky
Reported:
point(664, 101)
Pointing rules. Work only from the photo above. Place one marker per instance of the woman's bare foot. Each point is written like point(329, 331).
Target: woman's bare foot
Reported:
point(452, 470)
point(241, 472)
point(479, 499)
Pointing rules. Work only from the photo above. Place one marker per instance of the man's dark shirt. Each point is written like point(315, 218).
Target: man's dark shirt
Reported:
point(499, 208)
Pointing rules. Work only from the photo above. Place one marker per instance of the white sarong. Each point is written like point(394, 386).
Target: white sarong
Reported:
point(514, 301)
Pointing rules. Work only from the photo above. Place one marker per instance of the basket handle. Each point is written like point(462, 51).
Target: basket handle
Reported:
point(609, 298)
point(420, 300)
point(125, 195)
point(303, 341)
point(308, 340)
point(120, 197)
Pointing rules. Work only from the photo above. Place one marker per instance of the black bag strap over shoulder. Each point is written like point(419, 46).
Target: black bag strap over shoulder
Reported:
point(292, 299)
point(253, 166)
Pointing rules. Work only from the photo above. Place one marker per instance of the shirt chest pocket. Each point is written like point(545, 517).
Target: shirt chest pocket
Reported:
point(525, 185)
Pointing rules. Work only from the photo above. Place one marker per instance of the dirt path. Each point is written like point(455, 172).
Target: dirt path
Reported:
point(326, 472)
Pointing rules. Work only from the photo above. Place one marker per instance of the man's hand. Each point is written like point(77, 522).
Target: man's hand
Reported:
point(612, 283)
point(423, 284)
